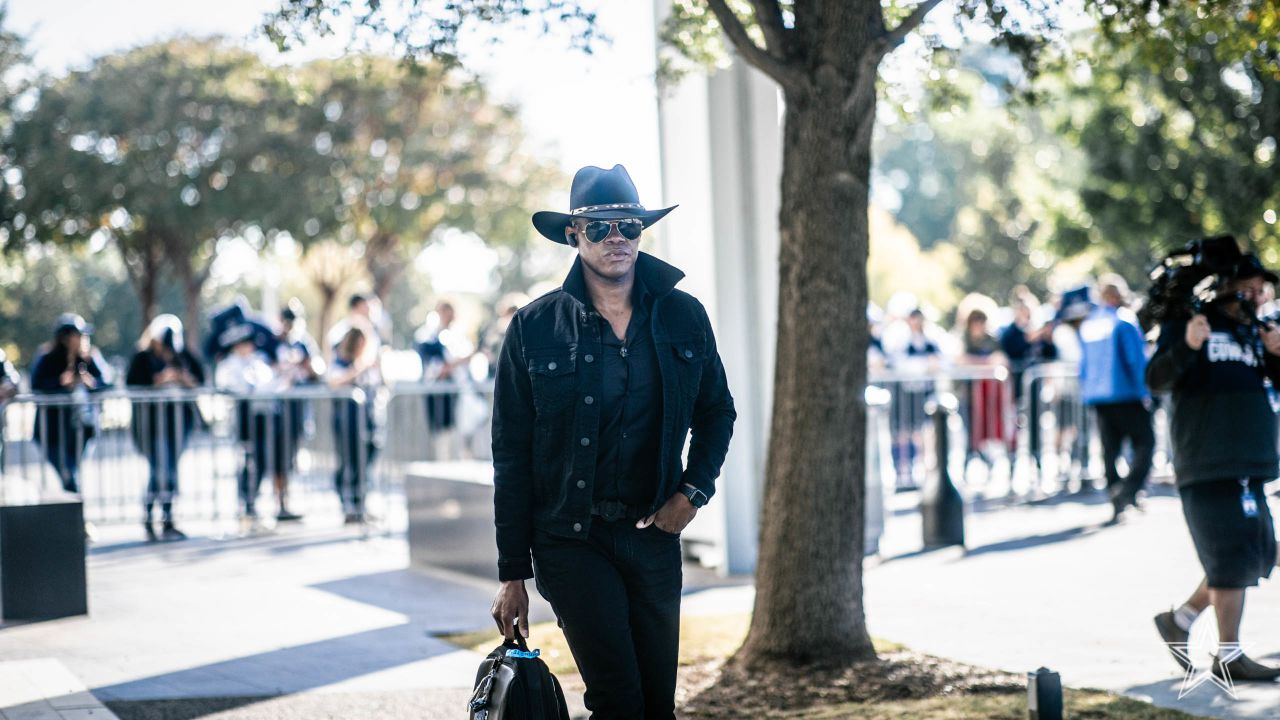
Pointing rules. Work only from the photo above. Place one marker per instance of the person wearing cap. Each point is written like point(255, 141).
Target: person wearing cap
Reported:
point(1074, 429)
point(1113, 366)
point(161, 425)
point(598, 384)
point(1216, 365)
point(298, 362)
point(68, 366)
point(245, 371)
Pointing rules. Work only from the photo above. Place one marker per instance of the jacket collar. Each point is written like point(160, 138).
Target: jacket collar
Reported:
point(659, 277)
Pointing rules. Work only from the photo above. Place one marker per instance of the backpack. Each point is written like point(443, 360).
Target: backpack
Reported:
point(513, 683)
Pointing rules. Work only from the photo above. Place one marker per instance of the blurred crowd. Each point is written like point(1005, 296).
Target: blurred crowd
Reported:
point(276, 372)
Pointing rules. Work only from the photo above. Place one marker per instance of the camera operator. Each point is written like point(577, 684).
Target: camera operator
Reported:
point(1216, 364)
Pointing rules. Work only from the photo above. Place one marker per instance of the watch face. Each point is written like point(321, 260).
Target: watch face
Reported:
point(695, 496)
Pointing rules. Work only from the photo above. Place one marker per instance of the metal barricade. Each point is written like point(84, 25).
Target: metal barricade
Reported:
point(213, 455)
point(984, 441)
point(1061, 444)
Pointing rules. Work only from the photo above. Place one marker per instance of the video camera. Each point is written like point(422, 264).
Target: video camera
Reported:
point(1189, 278)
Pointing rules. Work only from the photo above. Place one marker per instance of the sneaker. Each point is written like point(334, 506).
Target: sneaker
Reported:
point(1245, 669)
point(286, 516)
point(354, 518)
point(171, 534)
point(150, 530)
point(1167, 626)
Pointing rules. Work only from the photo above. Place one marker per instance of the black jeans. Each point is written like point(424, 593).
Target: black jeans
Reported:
point(1117, 421)
point(617, 595)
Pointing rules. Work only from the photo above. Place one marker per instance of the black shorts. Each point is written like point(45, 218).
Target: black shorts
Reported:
point(1235, 551)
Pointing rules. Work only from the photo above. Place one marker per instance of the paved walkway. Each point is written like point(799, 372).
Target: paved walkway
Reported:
point(333, 622)
point(1048, 585)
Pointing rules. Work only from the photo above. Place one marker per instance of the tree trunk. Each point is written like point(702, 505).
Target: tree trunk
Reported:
point(328, 297)
point(193, 318)
point(383, 260)
point(142, 261)
point(808, 606)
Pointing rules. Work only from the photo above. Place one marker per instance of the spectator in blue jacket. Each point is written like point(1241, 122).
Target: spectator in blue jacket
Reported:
point(1113, 366)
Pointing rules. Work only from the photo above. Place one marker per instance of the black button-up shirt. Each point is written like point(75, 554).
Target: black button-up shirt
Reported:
point(630, 409)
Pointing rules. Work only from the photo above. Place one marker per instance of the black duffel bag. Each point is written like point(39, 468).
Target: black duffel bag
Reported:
point(513, 683)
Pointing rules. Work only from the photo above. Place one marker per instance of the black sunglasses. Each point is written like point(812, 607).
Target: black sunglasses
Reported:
point(598, 230)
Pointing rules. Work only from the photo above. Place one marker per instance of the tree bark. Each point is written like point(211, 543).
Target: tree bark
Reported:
point(384, 263)
point(142, 258)
point(328, 298)
point(808, 606)
point(192, 285)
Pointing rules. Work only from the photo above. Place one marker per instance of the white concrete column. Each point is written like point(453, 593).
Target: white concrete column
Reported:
point(721, 145)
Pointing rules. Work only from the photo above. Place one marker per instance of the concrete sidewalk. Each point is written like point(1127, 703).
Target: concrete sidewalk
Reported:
point(320, 621)
point(1047, 585)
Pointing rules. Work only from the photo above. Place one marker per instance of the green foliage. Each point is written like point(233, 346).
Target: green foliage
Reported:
point(1174, 152)
point(1163, 31)
point(164, 150)
point(412, 152)
point(429, 30)
point(976, 170)
point(13, 59)
point(42, 281)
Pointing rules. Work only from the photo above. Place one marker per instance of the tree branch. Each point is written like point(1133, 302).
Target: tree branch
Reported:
point(911, 22)
point(769, 16)
point(762, 60)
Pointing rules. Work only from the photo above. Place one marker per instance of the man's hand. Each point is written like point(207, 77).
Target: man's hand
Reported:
point(511, 607)
point(1197, 332)
point(673, 516)
point(1271, 338)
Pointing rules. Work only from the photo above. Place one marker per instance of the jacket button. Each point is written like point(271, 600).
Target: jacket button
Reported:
point(585, 442)
point(551, 366)
point(623, 352)
point(582, 484)
point(688, 353)
point(588, 399)
point(588, 358)
point(577, 527)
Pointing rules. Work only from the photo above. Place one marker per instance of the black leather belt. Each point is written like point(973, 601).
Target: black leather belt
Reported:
point(613, 510)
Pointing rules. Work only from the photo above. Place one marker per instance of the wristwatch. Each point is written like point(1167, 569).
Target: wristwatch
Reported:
point(696, 497)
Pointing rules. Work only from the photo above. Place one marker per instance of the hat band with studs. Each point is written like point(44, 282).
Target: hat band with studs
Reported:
point(612, 206)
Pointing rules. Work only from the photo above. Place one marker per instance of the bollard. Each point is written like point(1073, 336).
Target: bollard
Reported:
point(941, 507)
point(1044, 695)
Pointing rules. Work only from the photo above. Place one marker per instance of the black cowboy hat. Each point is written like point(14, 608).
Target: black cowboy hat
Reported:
point(598, 194)
point(1249, 266)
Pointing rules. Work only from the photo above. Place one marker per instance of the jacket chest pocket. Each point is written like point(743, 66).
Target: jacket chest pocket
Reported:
point(689, 356)
point(552, 377)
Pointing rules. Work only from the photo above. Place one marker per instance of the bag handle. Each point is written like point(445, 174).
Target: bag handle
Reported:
point(518, 643)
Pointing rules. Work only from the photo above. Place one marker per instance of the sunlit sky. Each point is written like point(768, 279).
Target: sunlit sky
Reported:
point(540, 74)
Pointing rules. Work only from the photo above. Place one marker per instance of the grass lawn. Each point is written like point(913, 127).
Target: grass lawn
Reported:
point(705, 641)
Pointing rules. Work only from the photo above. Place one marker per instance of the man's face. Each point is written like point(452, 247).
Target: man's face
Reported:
point(613, 257)
point(1253, 290)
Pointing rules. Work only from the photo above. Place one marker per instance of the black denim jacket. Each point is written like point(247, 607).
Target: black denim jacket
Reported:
point(546, 416)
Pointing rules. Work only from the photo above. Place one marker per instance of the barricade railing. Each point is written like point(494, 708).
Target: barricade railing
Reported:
point(983, 439)
point(1021, 431)
point(335, 450)
point(1061, 440)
